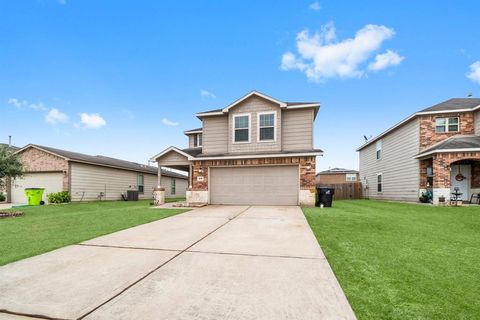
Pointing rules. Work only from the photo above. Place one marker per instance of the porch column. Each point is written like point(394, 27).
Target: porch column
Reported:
point(441, 178)
point(159, 176)
point(190, 175)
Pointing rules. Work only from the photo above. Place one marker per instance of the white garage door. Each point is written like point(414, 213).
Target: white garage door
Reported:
point(274, 185)
point(51, 181)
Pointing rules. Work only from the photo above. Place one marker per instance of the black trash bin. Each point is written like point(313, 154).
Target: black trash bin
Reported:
point(132, 195)
point(324, 196)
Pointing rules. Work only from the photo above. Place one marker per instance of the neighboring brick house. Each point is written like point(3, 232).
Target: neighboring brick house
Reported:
point(336, 176)
point(88, 177)
point(257, 150)
point(435, 149)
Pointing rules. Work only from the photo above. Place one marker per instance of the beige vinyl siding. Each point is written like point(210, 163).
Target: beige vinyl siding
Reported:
point(477, 122)
point(297, 131)
point(215, 135)
point(173, 158)
point(253, 106)
point(181, 186)
point(90, 180)
point(191, 138)
point(398, 166)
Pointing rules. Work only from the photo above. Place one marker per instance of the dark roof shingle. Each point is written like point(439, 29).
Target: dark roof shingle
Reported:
point(453, 143)
point(109, 162)
point(454, 104)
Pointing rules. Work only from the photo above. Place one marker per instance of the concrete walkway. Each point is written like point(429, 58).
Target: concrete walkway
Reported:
point(216, 262)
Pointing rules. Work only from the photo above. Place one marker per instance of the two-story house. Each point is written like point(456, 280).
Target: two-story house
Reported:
point(435, 149)
point(256, 151)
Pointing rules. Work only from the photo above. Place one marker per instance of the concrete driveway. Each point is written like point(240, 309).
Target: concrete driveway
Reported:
point(216, 262)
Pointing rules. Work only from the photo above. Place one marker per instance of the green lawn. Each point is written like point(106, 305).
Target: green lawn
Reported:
point(403, 261)
point(45, 228)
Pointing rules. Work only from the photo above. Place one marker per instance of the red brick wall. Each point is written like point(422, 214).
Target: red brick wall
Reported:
point(441, 167)
point(306, 165)
point(35, 160)
point(429, 137)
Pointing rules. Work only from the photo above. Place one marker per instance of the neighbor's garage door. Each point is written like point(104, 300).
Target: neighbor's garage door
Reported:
point(51, 181)
point(275, 185)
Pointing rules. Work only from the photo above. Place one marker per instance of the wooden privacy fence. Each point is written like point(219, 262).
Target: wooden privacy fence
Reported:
point(346, 191)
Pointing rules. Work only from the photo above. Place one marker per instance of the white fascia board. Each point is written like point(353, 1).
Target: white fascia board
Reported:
point(155, 157)
point(192, 132)
point(41, 149)
point(282, 104)
point(256, 156)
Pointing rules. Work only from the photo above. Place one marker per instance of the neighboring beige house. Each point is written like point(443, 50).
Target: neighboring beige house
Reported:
point(336, 176)
point(88, 177)
point(256, 151)
point(436, 149)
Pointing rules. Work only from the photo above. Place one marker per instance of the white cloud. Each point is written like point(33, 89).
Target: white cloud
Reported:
point(322, 56)
point(92, 120)
point(315, 6)
point(385, 60)
point(170, 123)
point(63, 2)
point(55, 116)
point(474, 73)
point(38, 106)
point(17, 103)
point(207, 94)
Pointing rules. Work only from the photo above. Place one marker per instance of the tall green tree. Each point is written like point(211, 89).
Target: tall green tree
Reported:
point(10, 165)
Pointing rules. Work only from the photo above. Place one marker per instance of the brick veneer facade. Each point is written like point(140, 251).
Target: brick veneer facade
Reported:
point(429, 137)
point(441, 168)
point(35, 160)
point(306, 165)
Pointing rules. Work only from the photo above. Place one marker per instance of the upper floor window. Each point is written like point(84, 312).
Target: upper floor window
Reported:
point(241, 128)
point(266, 126)
point(447, 124)
point(198, 140)
point(351, 177)
point(379, 149)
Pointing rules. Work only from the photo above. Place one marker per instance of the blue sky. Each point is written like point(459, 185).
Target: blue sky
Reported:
point(124, 78)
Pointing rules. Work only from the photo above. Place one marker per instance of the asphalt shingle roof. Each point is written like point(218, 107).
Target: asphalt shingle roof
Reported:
point(454, 104)
point(455, 142)
point(13, 148)
point(109, 162)
point(193, 130)
point(337, 170)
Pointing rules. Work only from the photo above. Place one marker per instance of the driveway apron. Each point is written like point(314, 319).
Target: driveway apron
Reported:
point(216, 262)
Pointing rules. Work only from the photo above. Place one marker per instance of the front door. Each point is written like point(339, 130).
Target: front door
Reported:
point(460, 178)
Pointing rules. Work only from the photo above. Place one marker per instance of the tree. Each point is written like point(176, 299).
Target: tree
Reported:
point(10, 165)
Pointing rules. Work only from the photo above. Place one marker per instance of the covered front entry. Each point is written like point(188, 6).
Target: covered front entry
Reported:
point(50, 181)
point(261, 185)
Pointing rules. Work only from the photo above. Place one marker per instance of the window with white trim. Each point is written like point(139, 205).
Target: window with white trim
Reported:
point(198, 140)
point(266, 126)
point(140, 183)
point(379, 149)
point(241, 128)
point(379, 183)
point(450, 124)
point(351, 177)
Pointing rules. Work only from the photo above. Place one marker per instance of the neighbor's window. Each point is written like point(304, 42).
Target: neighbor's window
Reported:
point(242, 128)
point(266, 126)
point(351, 176)
point(140, 183)
point(446, 125)
point(172, 186)
point(198, 140)
point(379, 149)
point(379, 182)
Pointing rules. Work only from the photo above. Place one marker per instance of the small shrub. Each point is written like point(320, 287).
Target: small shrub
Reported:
point(59, 197)
point(2, 197)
